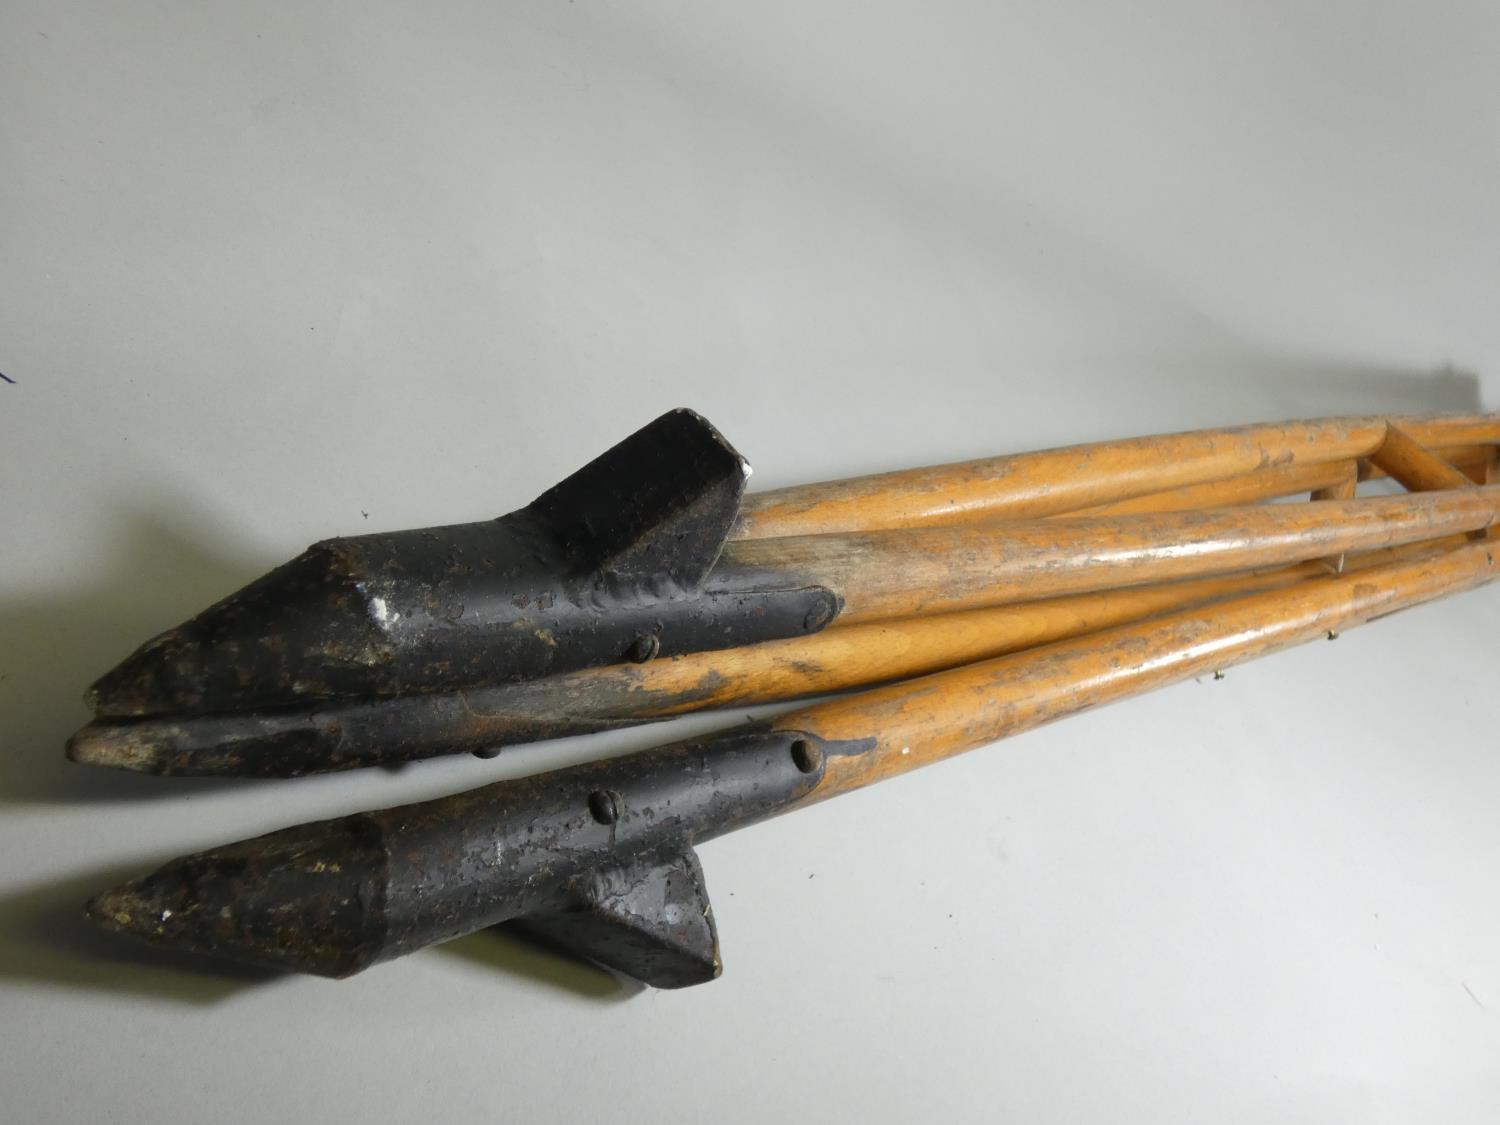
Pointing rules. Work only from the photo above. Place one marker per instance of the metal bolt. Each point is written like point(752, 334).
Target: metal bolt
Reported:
point(604, 806)
point(808, 758)
point(820, 614)
point(645, 647)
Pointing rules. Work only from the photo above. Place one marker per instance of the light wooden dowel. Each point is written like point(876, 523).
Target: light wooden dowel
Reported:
point(1065, 480)
point(624, 694)
point(922, 721)
point(1344, 484)
point(906, 573)
point(1342, 489)
point(1260, 484)
point(1415, 467)
point(1280, 481)
point(859, 655)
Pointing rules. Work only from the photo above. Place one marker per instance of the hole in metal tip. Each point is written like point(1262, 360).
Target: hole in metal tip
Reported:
point(604, 806)
point(806, 756)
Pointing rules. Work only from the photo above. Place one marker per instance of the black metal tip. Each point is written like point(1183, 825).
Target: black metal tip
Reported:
point(649, 920)
point(304, 900)
point(288, 635)
point(611, 561)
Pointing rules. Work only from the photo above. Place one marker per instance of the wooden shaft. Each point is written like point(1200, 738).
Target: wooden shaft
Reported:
point(1261, 484)
point(906, 573)
point(1417, 468)
point(880, 651)
point(1342, 489)
point(1470, 460)
point(368, 732)
point(860, 655)
point(1344, 485)
point(1282, 480)
point(921, 721)
point(1063, 480)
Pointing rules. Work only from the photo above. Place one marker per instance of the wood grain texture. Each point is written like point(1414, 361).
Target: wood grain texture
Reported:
point(1342, 489)
point(1284, 480)
point(1247, 488)
point(1044, 483)
point(926, 720)
point(1413, 465)
point(1343, 486)
point(334, 736)
point(859, 655)
point(889, 574)
point(1470, 460)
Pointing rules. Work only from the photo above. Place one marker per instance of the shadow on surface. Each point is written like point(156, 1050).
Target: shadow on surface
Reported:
point(518, 954)
point(44, 937)
point(52, 647)
point(55, 646)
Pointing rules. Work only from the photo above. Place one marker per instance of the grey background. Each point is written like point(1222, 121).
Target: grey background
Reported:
point(274, 272)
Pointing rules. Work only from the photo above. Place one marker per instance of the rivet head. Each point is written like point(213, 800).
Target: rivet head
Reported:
point(821, 614)
point(604, 806)
point(807, 757)
point(488, 752)
point(646, 646)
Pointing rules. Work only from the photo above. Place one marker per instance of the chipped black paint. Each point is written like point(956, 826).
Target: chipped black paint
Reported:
point(650, 919)
point(348, 734)
point(617, 560)
point(337, 896)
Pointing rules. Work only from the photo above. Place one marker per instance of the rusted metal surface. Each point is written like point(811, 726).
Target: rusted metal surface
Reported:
point(617, 560)
point(598, 857)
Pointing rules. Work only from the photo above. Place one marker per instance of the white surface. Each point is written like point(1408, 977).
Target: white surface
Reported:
point(267, 268)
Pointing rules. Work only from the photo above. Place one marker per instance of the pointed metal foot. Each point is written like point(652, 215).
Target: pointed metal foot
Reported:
point(650, 920)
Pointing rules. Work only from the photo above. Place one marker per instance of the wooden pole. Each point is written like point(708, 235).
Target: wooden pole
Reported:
point(346, 735)
point(599, 858)
point(1329, 478)
point(1259, 484)
point(1413, 465)
point(1342, 489)
point(1065, 480)
point(891, 574)
point(926, 720)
